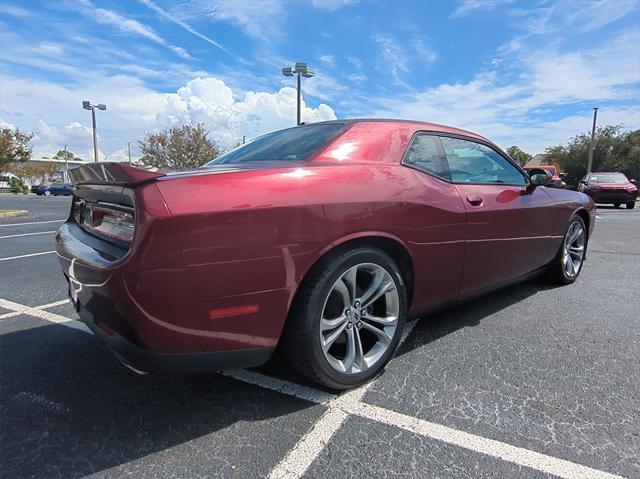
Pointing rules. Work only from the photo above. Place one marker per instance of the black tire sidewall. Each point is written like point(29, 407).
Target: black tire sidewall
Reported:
point(335, 269)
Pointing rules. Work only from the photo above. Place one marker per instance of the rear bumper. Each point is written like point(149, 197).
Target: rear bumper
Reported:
point(144, 360)
point(156, 325)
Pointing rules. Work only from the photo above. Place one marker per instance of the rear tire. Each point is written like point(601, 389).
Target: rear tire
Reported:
point(616, 205)
point(631, 205)
point(566, 266)
point(331, 335)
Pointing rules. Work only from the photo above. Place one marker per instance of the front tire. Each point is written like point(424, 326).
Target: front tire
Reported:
point(616, 205)
point(567, 264)
point(347, 318)
point(631, 205)
point(47, 193)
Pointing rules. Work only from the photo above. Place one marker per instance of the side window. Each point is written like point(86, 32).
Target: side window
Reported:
point(425, 154)
point(471, 162)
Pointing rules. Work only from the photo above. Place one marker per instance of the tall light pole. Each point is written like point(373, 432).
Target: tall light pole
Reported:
point(88, 106)
point(593, 135)
point(66, 166)
point(129, 148)
point(300, 69)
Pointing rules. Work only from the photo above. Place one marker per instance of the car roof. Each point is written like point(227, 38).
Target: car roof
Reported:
point(435, 127)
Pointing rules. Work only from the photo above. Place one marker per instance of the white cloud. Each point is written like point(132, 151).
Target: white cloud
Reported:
point(425, 52)
point(211, 101)
point(133, 110)
point(176, 20)
point(13, 10)
point(394, 58)
point(128, 25)
point(263, 19)
point(467, 6)
point(328, 60)
point(549, 100)
point(332, 5)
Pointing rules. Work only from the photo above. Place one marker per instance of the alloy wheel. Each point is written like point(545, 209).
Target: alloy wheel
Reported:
point(573, 252)
point(359, 318)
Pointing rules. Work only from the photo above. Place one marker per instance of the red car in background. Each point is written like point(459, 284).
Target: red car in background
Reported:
point(610, 187)
point(556, 180)
point(322, 238)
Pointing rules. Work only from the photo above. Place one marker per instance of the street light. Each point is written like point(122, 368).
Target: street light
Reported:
point(300, 69)
point(129, 148)
point(65, 177)
point(88, 106)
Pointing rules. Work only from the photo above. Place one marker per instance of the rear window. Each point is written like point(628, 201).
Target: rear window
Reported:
point(293, 144)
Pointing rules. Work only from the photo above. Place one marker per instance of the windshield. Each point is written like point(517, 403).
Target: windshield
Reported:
point(617, 178)
point(293, 144)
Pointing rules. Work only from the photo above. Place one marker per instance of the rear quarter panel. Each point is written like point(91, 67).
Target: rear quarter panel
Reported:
point(256, 231)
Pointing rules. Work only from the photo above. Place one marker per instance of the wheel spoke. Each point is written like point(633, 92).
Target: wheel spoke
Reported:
point(343, 290)
point(374, 292)
point(386, 321)
point(575, 234)
point(381, 333)
point(329, 324)
point(328, 341)
point(569, 269)
point(349, 279)
point(359, 359)
point(351, 351)
point(373, 287)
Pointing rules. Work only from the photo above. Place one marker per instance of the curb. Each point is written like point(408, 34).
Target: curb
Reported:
point(13, 214)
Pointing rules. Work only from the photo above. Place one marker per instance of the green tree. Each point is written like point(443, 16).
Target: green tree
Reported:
point(520, 156)
point(70, 156)
point(614, 150)
point(179, 148)
point(36, 172)
point(14, 147)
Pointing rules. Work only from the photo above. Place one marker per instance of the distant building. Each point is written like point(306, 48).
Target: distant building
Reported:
point(538, 160)
point(63, 166)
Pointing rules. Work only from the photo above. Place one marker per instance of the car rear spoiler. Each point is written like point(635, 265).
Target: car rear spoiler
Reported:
point(106, 173)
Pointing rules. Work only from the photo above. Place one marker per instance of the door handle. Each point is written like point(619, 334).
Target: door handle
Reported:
point(475, 199)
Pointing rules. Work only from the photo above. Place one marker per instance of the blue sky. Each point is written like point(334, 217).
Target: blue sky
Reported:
point(525, 73)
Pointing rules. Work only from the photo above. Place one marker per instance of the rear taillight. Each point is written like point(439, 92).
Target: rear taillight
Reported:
point(111, 222)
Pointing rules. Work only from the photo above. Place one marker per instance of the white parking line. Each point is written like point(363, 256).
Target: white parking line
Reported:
point(44, 306)
point(490, 447)
point(46, 315)
point(26, 255)
point(33, 223)
point(298, 460)
point(28, 234)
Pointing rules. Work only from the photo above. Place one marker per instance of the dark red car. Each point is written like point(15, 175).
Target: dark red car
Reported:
point(322, 237)
point(610, 187)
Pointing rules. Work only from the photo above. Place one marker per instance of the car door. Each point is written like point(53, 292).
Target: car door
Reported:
point(439, 222)
point(509, 222)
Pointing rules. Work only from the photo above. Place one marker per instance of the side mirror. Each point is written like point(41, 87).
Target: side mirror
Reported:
point(562, 175)
point(538, 177)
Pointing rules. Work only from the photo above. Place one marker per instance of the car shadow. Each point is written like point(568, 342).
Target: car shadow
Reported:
point(449, 318)
point(69, 409)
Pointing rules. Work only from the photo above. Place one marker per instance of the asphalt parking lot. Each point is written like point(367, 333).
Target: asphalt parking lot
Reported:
point(531, 381)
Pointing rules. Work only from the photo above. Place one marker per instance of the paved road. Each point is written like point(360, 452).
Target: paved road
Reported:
point(530, 381)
